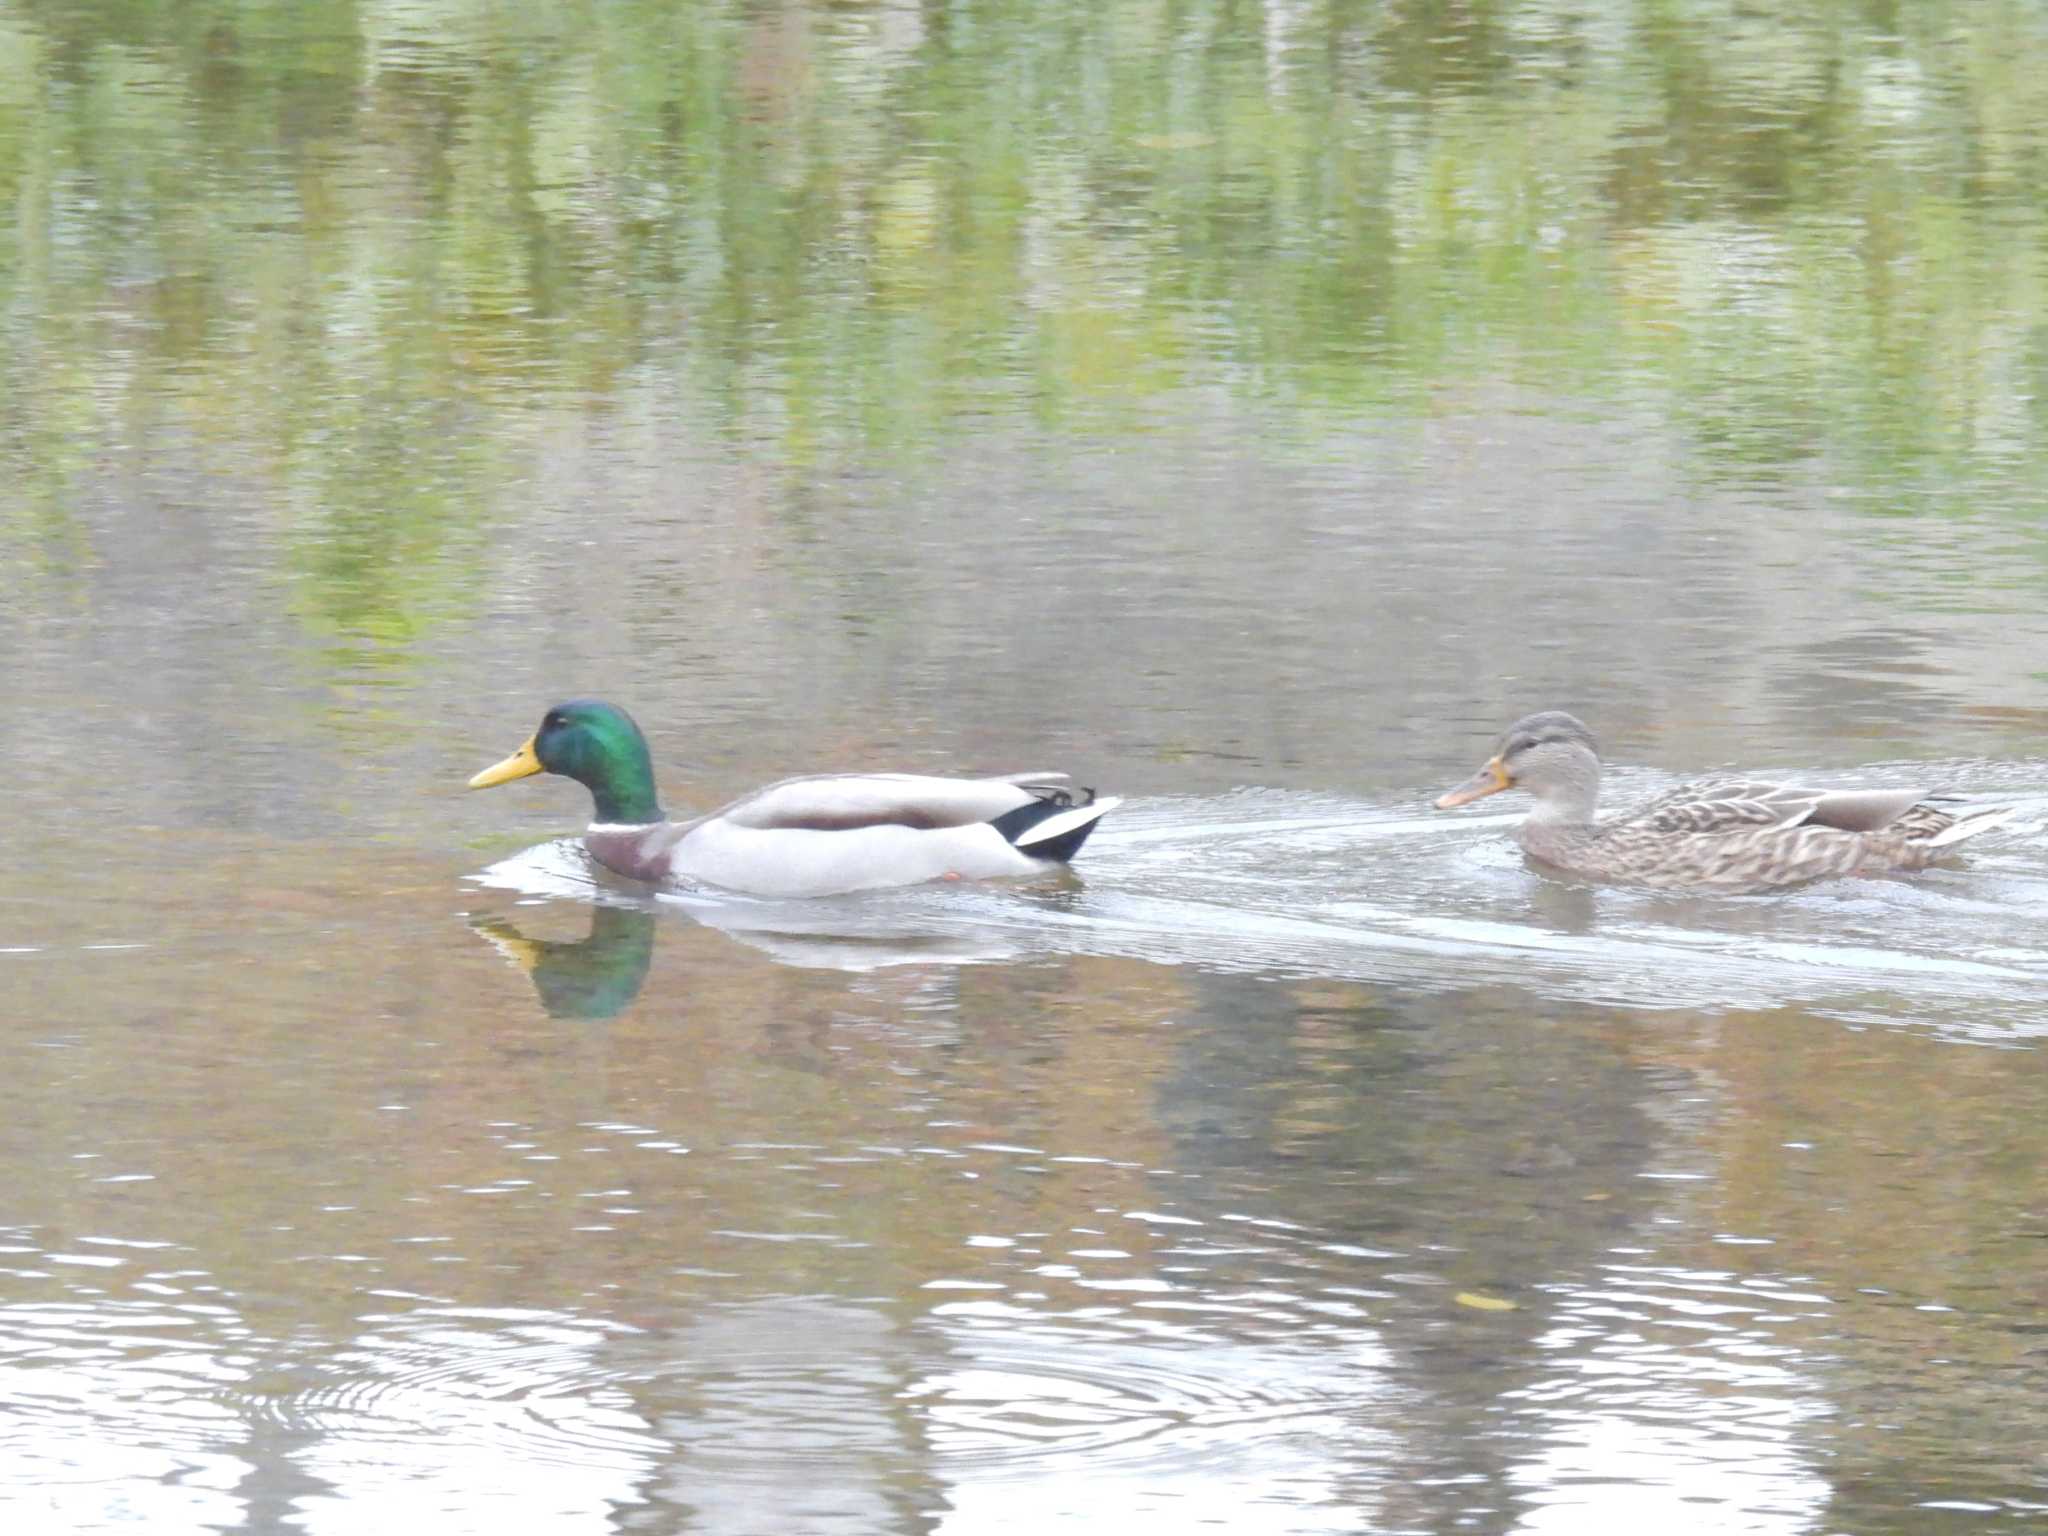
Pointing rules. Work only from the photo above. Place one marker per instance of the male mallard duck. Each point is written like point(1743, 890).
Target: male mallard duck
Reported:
point(1728, 834)
point(815, 836)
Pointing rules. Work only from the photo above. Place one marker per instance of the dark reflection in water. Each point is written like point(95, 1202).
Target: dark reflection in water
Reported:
point(995, 1245)
point(1344, 1192)
point(588, 978)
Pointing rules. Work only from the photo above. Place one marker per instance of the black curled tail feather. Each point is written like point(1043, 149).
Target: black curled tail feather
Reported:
point(1057, 795)
point(1014, 824)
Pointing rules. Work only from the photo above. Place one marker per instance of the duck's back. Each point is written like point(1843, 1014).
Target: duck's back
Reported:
point(1740, 834)
point(831, 834)
point(846, 802)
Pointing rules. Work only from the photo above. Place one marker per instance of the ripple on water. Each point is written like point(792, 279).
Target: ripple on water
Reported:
point(484, 1413)
point(1278, 881)
point(1010, 1417)
point(1300, 882)
point(1024, 1387)
point(1129, 1421)
point(166, 1416)
point(778, 1413)
point(119, 1409)
point(1673, 1404)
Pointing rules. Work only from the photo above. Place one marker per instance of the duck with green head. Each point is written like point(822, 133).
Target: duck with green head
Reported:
point(815, 836)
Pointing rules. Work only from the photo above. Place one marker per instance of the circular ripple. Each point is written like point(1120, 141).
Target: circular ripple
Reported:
point(501, 1418)
point(1023, 1388)
point(529, 1386)
point(816, 1414)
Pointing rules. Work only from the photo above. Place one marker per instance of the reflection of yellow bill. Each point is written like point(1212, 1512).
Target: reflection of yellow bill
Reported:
point(509, 942)
point(517, 766)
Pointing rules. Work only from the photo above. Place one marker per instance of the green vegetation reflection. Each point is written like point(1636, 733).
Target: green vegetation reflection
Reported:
point(314, 249)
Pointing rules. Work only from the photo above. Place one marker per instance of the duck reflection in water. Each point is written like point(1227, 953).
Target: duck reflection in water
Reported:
point(599, 975)
point(594, 977)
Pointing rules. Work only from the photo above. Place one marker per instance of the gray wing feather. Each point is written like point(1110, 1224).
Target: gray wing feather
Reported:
point(849, 802)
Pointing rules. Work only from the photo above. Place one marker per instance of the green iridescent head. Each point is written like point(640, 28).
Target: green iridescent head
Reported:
point(596, 744)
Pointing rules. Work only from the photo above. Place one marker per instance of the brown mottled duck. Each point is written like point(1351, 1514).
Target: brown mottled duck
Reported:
point(1718, 834)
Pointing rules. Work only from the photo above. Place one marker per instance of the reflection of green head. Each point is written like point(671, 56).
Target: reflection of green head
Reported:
point(592, 978)
point(596, 744)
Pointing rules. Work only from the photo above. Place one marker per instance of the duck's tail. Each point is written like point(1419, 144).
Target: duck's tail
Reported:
point(1971, 823)
point(1053, 828)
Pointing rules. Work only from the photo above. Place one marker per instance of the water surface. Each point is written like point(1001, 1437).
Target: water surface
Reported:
point(1249, 410)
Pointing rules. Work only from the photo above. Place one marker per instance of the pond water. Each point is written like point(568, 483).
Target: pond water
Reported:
point(1249, 409)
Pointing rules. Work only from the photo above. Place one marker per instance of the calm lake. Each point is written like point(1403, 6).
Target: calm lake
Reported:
point(1249, 408)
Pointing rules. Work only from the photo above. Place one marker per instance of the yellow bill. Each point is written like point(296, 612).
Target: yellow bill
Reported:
point(517, 766)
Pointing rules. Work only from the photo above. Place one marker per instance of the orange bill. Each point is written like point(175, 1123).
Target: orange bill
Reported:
point(1490, 780)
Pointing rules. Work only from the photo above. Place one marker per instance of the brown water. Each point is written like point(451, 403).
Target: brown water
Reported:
point(1249, 410)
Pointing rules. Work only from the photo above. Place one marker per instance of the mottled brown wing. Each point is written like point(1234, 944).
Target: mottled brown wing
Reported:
point(1727, 805)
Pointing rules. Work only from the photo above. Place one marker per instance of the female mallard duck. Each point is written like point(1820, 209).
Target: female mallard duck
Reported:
point(1728, 834)
point(816, 836)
